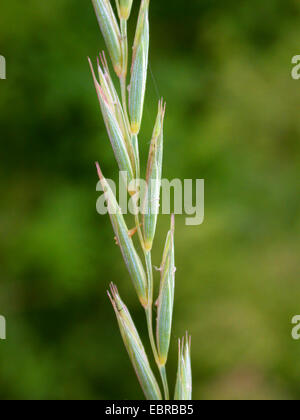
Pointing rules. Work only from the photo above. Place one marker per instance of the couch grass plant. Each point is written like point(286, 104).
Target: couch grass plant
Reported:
point(122, 117)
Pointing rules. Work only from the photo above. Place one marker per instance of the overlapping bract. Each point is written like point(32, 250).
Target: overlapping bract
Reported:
point(165, 300)
point(139, 68)
point(134, 347)
point(110, 31)
point(153, 180)
point(109, 108)
point(124, 8)
point(131, 258)
point(183, 389)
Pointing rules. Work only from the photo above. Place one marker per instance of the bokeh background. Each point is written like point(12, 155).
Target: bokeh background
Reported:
point(233, 119)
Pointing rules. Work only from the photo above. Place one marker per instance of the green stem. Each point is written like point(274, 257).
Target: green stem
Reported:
point(150, 332)
point(150, 277)
point(135, 146)
point(161, 368)
point(163, 375)
point(139, 230)
point(124, 100)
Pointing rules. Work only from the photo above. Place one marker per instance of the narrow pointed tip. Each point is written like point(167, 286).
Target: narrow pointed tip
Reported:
point(93, 71)
point(91, 65)
point(90, 62)
point(114, 290)
point(160, 104)
point(179, 346)
point(182, 345)
point(99, 171)
point(101, 65)
point(103, 60)
point(164, 109)
point(112, 300)
point(173, 222)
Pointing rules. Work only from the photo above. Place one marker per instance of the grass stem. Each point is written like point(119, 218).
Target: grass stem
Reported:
point(163, 375)
point(149, 315)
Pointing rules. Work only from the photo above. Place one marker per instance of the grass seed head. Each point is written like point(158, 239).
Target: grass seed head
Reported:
point(123, 127)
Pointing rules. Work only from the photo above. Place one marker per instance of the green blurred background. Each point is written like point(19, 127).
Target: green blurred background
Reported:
point(233, 119)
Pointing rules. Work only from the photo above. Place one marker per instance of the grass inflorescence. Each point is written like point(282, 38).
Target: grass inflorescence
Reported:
point(123, 118)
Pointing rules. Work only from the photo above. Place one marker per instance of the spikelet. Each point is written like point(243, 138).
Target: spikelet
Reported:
point(110, 31)
point(183, 389)
point(111, 93)
point(165, 300)
point(131, 258)
point(114, 131)
point(139, 68)
point(153, 180)
point(134, 347)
